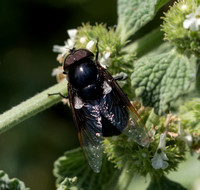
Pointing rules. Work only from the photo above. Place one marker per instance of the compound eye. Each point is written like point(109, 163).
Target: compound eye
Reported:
point(68, 61)
point(75, 56)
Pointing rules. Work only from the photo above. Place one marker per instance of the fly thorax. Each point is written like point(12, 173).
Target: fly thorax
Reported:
point(80, 75)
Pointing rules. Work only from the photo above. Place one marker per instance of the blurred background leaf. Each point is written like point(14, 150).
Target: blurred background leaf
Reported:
point(161, 79)
point(10, 184)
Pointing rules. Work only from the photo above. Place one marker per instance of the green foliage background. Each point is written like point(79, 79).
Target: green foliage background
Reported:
point(29, 29)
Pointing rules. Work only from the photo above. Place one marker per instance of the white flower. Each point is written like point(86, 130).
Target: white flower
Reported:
point(56, 71)
point(69, 44)
point(90, 45)
point(72, 33)
point(83, 40)
point(61, 49)
point(184, 136)
point(192, 21)
point(160, 158)
point(105, 59)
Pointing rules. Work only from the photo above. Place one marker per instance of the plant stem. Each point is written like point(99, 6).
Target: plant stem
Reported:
point(31, 107)
point(160, 182)
point(124, 179)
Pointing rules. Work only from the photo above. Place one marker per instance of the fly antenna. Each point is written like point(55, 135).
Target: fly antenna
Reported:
point(97, 47)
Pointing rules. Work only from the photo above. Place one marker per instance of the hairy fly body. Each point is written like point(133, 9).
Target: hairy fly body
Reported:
point(99, 106)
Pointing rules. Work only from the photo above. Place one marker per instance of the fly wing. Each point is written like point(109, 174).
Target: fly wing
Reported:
point(135, 128)
point(89, 131)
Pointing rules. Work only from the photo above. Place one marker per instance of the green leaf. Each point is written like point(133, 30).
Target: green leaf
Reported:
point(73, 164)
point(10, 184)
point(134, 14)
point(163, 183)
point(161, 79)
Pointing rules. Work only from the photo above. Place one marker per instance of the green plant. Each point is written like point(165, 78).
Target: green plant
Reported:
point(163, 74)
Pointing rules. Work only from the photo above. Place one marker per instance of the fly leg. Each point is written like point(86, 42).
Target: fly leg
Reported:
point(121, 76)
point(58, 93)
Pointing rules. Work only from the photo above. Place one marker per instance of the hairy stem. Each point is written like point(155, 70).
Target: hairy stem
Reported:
point(31, 107)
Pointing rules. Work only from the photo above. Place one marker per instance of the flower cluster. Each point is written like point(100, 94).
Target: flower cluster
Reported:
point(111, 55)
point(160, 159)
point(182, 26)
point(164, 153)
point(76, 41)
point(69, 44)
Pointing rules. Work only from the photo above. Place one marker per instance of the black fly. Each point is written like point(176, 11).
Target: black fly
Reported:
point(99, 106)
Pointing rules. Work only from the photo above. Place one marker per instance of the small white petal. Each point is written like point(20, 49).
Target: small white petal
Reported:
point(197, 12)
point(104, 66)
point(108, 48)
point(188, 22)
point(70, 43)
point(157, 161)
point(58, 49)
point(198, 21)
point(107, 55)
point(192, 21)
point(105, 60)
point(162, 142)
point(190, 16)
point(72, 33)
point(164, 165)
point(164, 156)
point(184, 136)
point(184, 7)
point(160, 158)
point(61, 49)
point(82, 40)
point(188, 139)
point(194, 26)
point(90, 45)
point(54, 72)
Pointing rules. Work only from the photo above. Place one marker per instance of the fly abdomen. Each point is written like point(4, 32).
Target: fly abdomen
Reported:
point(108, 129)
point(91, 92)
